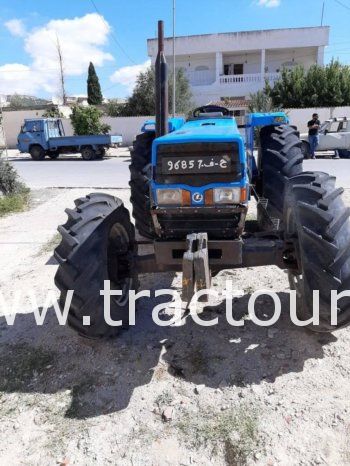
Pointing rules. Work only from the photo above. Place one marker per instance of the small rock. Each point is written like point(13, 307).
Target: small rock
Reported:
point(198, 389)
point(167, 414)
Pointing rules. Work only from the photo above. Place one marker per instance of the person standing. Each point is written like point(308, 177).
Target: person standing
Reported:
point(314, 126)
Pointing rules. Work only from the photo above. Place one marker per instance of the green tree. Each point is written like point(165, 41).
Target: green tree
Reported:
point(289, 91)
point(113, 108)
point(53, 112)
point(87, 120)
point(94, 92)
point(318, 86)
point(261, 102)
point(183, 97)
point(142, 100)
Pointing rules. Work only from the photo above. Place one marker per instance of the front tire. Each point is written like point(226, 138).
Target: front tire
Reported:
point(37, 152)
point(98, 244)
point(317, 229)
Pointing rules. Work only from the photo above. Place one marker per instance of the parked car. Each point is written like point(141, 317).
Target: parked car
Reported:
point(45, 136)
point(334, 136)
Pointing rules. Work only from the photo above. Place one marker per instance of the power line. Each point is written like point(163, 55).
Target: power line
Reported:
point(342, 4)
point(112, 34)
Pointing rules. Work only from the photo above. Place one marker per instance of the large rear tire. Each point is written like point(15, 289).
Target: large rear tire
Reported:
point(98, 244)
point(140, 176)
point(280, 159)
point(317, 229)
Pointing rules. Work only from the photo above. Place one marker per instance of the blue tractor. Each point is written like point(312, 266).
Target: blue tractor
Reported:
point(192, 183)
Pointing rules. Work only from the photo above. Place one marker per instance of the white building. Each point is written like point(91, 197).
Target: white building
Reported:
point(235, 64)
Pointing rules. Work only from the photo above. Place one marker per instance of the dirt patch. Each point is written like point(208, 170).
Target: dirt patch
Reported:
point(183, 395)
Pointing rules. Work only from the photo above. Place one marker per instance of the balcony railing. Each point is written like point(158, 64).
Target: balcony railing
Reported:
point(208, 77)
point(249, 78)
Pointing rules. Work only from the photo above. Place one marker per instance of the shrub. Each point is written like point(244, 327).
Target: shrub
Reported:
point(9, 180)
point(53, 112)
point(14, 195)
point(87, 120)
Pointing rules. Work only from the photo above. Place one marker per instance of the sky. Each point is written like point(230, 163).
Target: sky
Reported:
point(113, 34)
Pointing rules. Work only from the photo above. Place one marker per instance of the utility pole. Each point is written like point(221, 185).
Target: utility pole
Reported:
point(60, 58)
point(3, 143)
point(174, 59)
point(322, 16)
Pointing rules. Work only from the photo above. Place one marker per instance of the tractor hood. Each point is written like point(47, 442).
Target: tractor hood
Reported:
point(204, 129)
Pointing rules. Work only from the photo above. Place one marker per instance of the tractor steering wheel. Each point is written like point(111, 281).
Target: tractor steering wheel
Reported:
point(211, 109)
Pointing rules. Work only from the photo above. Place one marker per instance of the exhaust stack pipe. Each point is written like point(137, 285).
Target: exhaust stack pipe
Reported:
point(162, 111)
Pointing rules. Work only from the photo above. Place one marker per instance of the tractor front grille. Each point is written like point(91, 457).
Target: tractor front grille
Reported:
point(225, 223)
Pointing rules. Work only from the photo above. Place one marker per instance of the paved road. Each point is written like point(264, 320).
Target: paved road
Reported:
point(337, 167)
point(113, 172)
point(73, 171)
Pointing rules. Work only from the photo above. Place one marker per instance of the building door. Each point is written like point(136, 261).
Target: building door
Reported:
point(227, 70)
point(238, 68)
point(233, 69)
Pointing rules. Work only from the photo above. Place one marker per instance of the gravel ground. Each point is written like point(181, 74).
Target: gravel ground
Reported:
point(161, 395)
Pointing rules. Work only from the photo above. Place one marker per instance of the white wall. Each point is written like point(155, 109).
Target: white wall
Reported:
point(300, 116)
point(128, 127)
point(14, 120)
point(246, 40)
point(302, 56)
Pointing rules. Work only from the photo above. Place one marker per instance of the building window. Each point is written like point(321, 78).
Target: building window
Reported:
point(238, 68)
point(233, 69)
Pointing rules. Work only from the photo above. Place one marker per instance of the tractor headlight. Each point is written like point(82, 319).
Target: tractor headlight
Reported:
point(227, 195)
point(169, 196)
